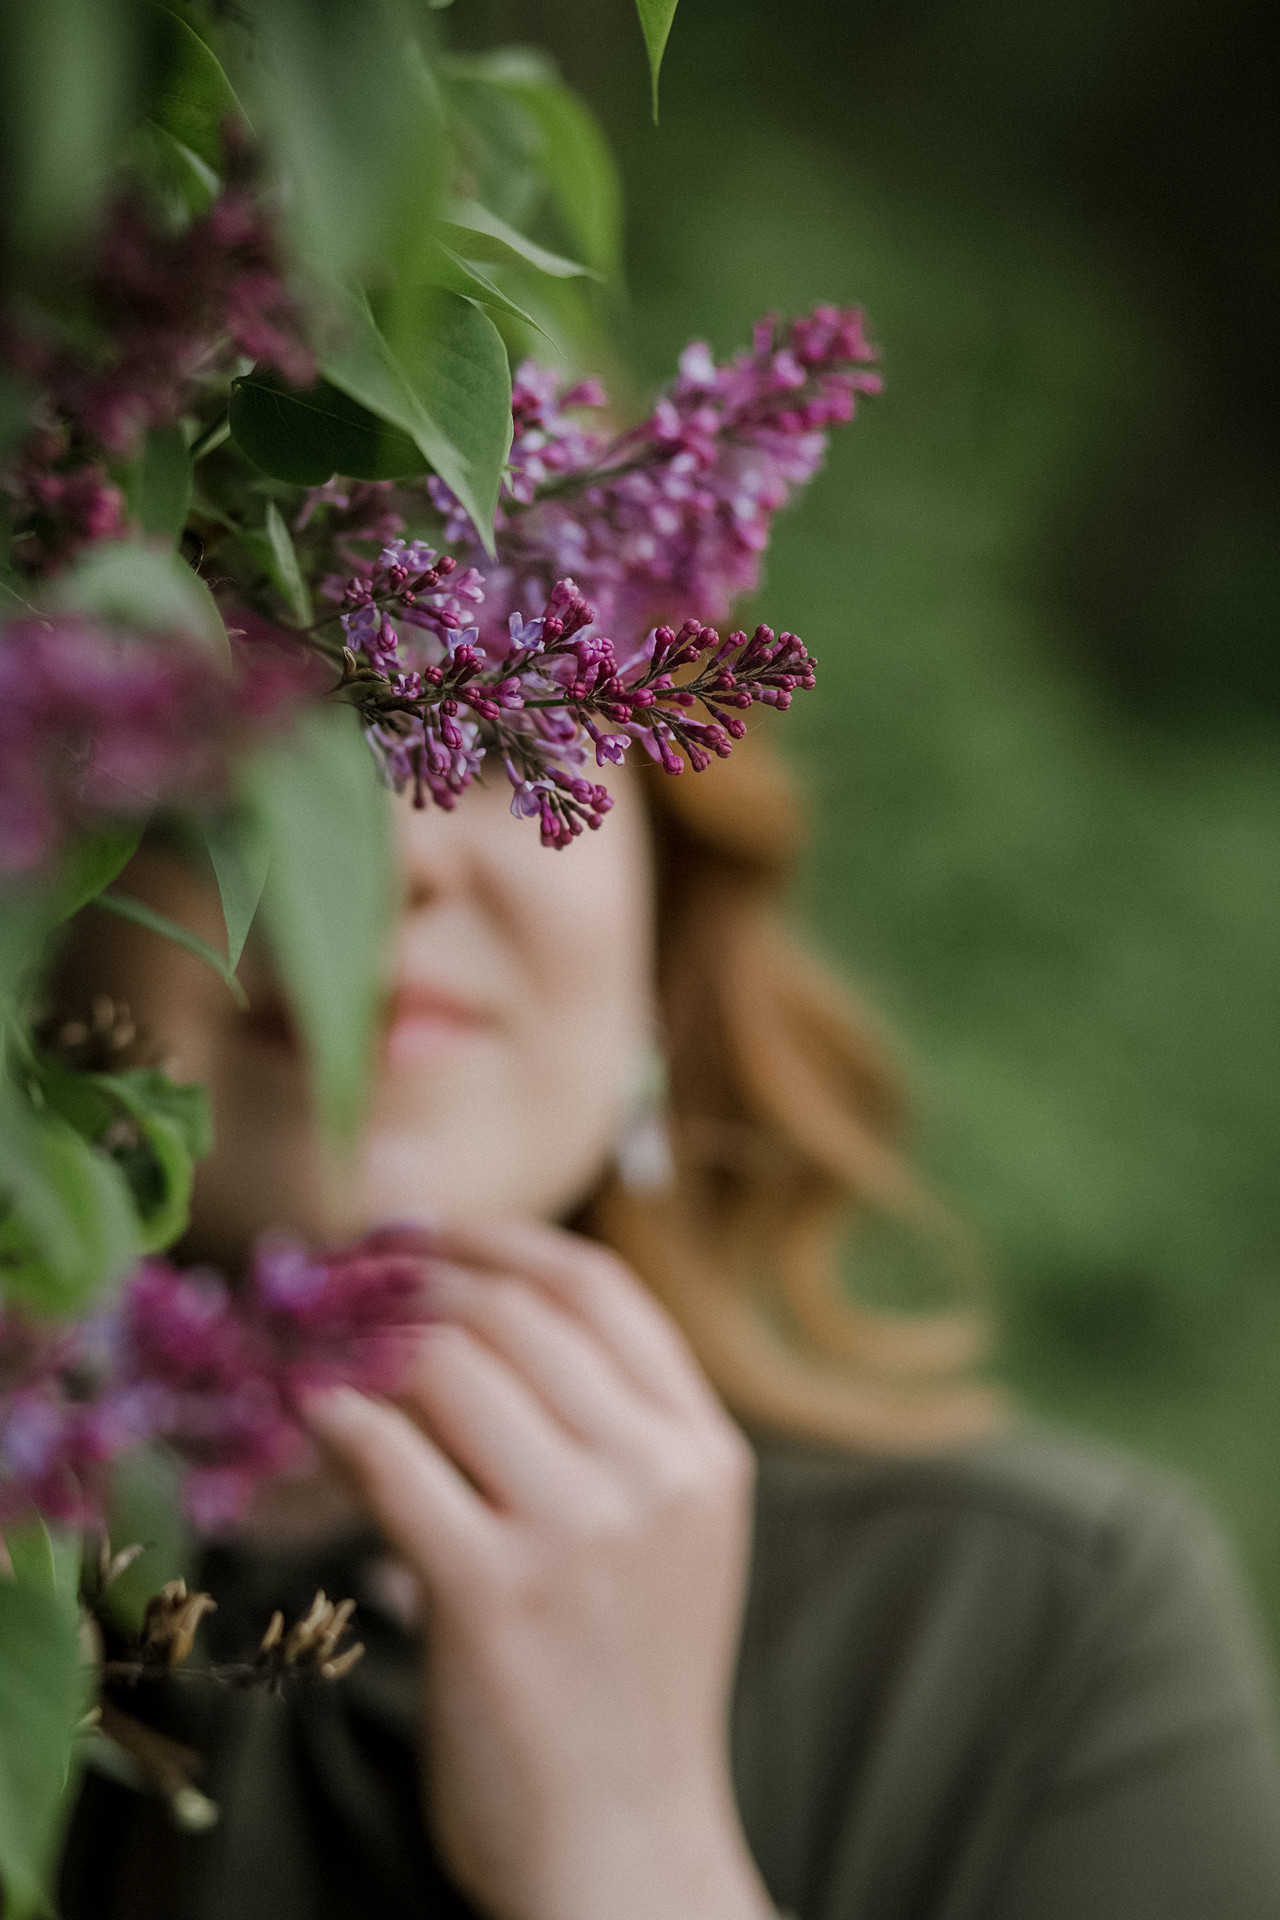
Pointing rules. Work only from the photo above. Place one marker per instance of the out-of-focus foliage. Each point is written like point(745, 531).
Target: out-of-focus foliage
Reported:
point(42, 1696)
point(403, 188)
point(404, 183)
point(1042, 589)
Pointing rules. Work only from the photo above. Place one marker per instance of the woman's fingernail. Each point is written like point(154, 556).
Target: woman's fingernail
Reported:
point(329, 1407)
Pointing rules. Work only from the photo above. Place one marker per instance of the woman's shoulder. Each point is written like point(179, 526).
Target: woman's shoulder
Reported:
point(1039, 1559)
point(1034, 1527)
point(1032, 1487)
point(1021, 1627)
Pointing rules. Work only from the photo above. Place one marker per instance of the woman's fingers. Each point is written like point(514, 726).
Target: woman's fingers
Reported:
point(492, 1423)
point(565, 1363)
point(595, 1286)
point(418, 1497)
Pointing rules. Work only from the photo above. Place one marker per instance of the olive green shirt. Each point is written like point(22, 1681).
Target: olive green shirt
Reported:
point(1012, 1682)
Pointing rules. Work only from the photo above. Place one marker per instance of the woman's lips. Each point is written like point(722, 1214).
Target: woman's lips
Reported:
point(421, 1023)
point(425, 1021)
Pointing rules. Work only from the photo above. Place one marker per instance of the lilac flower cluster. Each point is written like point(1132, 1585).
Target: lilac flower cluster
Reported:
point(448, 659)
point(668, 520)
point(97, 724)
point(434, 702)
point(173, 311)
point(213, 1373)
point(665, 523)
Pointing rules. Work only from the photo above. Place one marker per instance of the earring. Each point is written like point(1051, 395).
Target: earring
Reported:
point(643, 1157)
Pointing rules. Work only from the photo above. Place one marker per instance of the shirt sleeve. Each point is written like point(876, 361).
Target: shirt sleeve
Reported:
point(1153, 1791)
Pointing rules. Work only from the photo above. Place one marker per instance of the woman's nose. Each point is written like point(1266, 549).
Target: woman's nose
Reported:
point(432, 852)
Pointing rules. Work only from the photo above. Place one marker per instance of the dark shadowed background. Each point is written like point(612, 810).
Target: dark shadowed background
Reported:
point(1041, 578)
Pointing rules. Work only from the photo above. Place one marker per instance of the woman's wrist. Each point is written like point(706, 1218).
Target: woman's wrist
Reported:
point(688, 1860)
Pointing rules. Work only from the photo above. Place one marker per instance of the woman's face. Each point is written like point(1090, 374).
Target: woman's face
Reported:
point(519, 1004)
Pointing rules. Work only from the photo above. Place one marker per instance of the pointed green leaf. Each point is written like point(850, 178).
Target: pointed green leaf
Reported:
point(159, 494)
point(42, 1697)
point(70, 69)
point(451, 271)
point(463, 381)
point(477, 234)
point(453, 395)
point(159, 923)
point(194, 97)
point(240, 854)
point(347, 105)
point(329, 895)
point(145, 1506)
point(45, 1557)
point(91, 864)
point(307, 435)
point(171, 1126)
point(574, 155)
point(185, 1105)
point(655, 24)
point(180, 178)
point(289, 575)
point(30, 1551)
point(26, 918)
point(159, 1169)
point(67, 1223)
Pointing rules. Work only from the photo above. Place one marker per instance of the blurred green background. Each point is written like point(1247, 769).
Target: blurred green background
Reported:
point(1041, 578)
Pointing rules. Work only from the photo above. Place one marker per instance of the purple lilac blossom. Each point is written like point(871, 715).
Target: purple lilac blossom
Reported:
point(668, 520)
point(212, 1372)
point(434, 701)
point(175, 310)
point(96, 725)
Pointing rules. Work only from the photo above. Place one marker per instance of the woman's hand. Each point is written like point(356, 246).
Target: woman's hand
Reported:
point(577, 1506)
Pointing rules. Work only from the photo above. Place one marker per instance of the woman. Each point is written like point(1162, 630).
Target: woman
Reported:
point(934, 1668)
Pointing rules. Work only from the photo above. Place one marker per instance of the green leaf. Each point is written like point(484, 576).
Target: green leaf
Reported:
point(655, 24)
point(173, 1127)
point(30, 1551)
point(67, 1222)
point(348, 106)
point(42, 1698)
point(43, 1558)
point(179, 177)
point(25, 923)
point(306, 436)
point(240, 855)
point(91, 864)
point(184, 1104)
point(463, 383)
point(288, 574)
point(159, 494)
point(574, 154)
point(453, 396)
point(144, 916)
point(141, 587)
point(145, 1506)
point(329, 895)
point(449, 270)
point(194, 97)
point(477, 234)
point(69, 68)
point(159, 1170)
